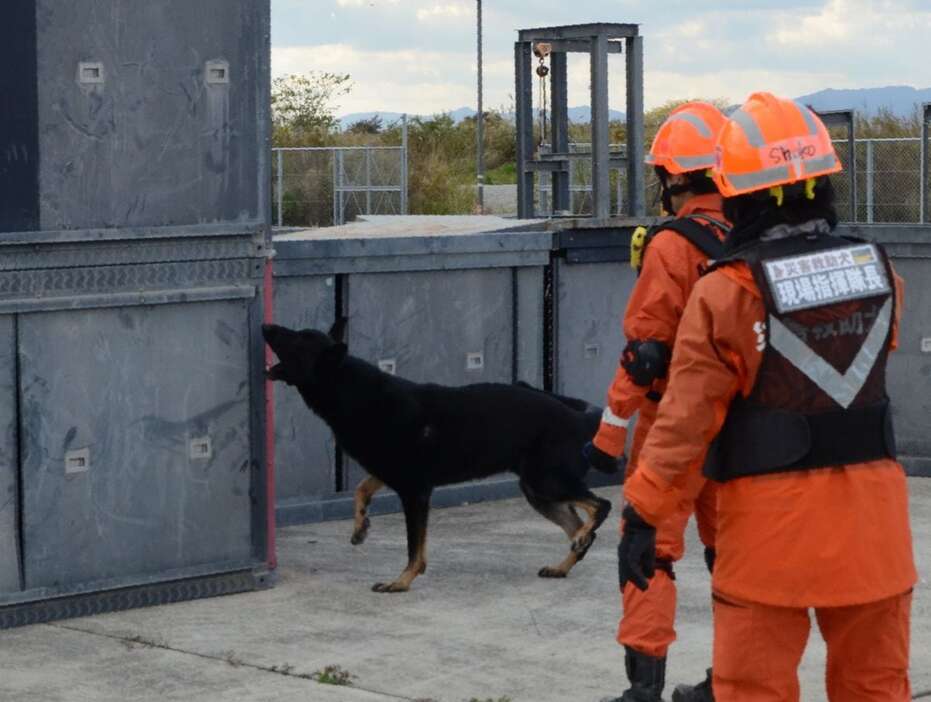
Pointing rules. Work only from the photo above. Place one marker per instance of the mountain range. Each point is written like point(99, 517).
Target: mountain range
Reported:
point(901, 100)
point(580, 115)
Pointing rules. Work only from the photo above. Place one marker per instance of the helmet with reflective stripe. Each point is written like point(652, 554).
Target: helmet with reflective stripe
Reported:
point(771, 141)
point(685, 141)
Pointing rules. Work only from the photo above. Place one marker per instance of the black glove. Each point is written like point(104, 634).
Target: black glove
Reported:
point(599, 460)
point(636, 554)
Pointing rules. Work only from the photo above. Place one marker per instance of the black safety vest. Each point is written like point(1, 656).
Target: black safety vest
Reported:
point(819, 398)
point(695, 228)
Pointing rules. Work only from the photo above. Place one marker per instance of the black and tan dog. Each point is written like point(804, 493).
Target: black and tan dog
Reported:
point(414, 437)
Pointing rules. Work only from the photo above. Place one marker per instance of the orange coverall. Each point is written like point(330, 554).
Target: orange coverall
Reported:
point(670, 270)
point(836, 539)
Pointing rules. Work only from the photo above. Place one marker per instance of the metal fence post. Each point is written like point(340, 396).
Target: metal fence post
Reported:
point(923, 179)
point(280, 193)
point(368, 181)
point(869, 181)
point(480, 120)
point(335, 187)
point(404, 146)
point(852, 150)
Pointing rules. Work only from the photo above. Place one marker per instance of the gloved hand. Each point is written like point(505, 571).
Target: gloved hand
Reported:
point(636, 554)
point(599, 460)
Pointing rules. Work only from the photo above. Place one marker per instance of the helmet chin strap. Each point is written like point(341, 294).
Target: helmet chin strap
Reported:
point(667, 192)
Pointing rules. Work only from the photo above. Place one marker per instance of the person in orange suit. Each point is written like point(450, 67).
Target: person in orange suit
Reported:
point(669, 264)
point(777, 392)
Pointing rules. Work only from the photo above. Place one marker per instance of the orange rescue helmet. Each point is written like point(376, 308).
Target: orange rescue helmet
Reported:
point(771, 141)
point(685, 141)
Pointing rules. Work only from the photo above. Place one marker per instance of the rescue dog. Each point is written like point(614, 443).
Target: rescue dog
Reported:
point(414, 437)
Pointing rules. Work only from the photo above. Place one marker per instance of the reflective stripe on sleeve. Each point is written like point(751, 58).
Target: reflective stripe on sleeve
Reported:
point(608, 417)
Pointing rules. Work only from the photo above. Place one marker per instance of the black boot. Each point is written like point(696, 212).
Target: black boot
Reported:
point(647, 677)
point(694, 693)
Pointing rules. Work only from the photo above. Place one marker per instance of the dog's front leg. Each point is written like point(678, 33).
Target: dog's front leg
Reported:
point(416, 509)
point(367, 487)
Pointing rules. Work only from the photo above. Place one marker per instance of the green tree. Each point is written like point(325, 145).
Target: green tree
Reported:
point(372, 125)
point(303, 106)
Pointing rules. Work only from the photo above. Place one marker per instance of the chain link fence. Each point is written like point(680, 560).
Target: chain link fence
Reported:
point(326, 186)
point(888, 182)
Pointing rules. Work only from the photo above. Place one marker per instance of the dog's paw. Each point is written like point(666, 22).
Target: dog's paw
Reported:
point(389, 587)
point(551, 572)
point(358, 536)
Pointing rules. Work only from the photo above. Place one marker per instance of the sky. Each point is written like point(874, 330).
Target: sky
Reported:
point(418, 56)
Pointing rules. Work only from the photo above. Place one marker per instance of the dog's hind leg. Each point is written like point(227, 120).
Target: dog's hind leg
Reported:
point(561, 511)
point(563, 516)
point(416, 509)
point(366, 488)
point(597, 509)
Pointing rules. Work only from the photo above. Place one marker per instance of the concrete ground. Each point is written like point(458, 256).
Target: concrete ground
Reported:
point(479, 625)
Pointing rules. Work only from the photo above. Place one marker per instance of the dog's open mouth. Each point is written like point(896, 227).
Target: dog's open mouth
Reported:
point(275, 372)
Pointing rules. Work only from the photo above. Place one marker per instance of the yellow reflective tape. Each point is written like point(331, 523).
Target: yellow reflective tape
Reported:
point(777, 192)
point(810, 188)
point(637, 242)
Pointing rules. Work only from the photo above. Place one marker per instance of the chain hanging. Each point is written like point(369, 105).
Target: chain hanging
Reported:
point(542, 50)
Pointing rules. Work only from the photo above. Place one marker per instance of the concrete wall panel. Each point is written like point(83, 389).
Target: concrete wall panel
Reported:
point(591, 302)
point(136, 441)
point(909, 370)
point(530, 325)
point(9, 461)
point(133, 131)
point(433, 326)
point(305, 450)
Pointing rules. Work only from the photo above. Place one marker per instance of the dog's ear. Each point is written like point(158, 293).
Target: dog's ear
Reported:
point(333, 356)
point(338, 330)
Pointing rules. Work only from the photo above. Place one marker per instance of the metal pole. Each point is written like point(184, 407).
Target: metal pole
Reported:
point(601, 181)
point(524, 119)
point(559, 109)
point(479, 121)
point(925, 117)
point(620, 195)
point(636, 188)
point(404, 164)
point(368, 181)
point(280, 193)
point(869, 181)
point(342, 184)
point(335, 187)
point(852, 150)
